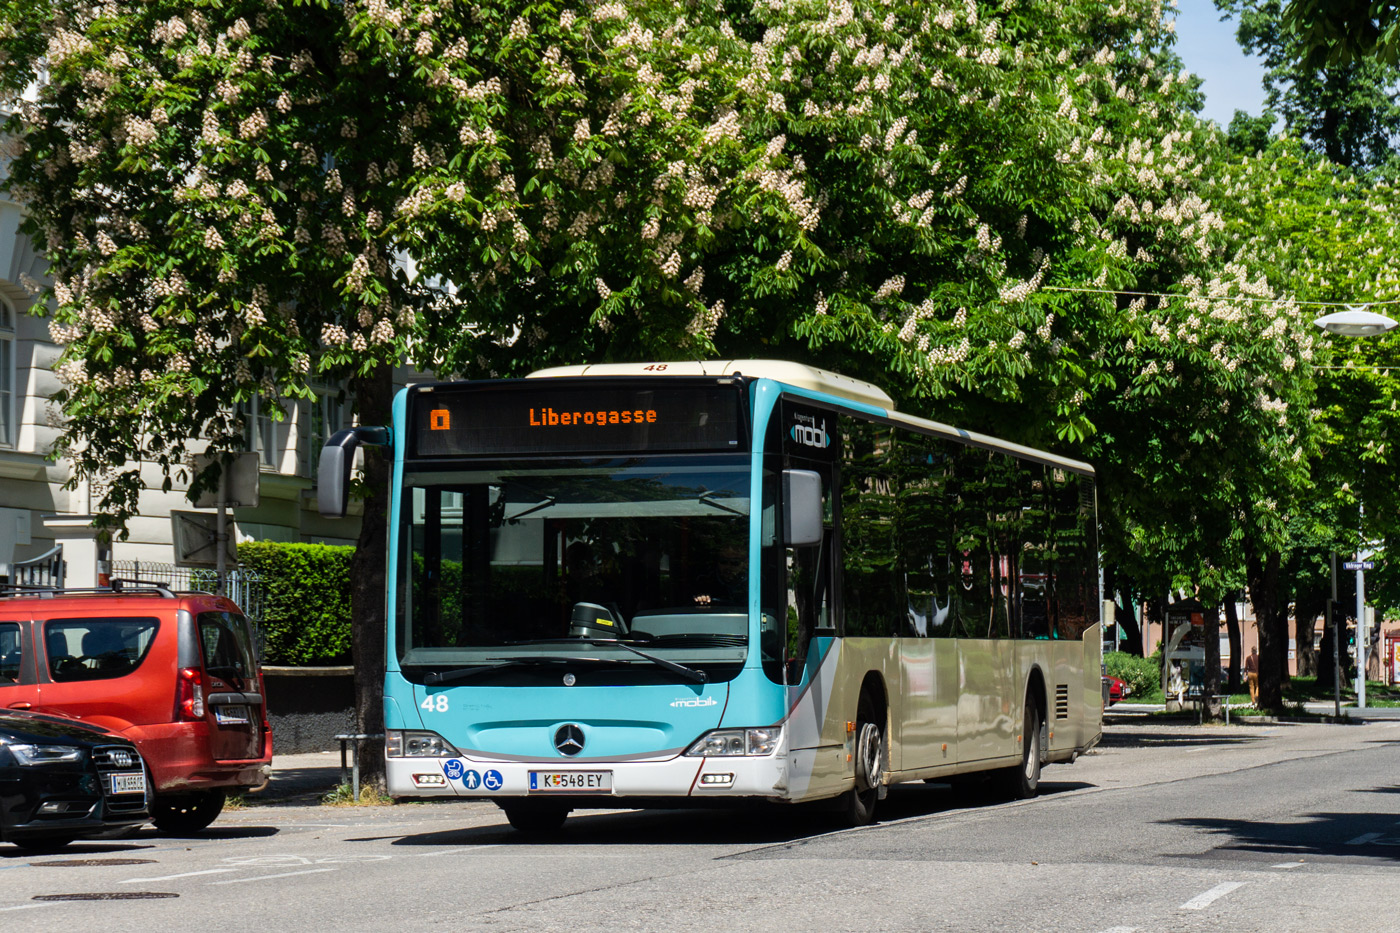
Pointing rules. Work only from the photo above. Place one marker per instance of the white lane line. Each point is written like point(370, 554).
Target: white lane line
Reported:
point(1286, 865)
point(1119, 930)
point(1205, 899)
point(26, 907)
point(285, 874)
point(458, 851)
point(1364, 838)
point(183, 874)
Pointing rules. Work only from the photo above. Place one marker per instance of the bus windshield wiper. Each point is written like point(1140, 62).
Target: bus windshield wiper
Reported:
point(689, 673)
point(527, 660)
point(708, 498)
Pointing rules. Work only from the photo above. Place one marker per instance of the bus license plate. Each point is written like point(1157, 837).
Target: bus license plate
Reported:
point(128, 782)
point(570, 782)
point(231, 715)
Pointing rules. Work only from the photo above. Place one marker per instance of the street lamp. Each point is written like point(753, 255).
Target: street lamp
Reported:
point(1356, 321)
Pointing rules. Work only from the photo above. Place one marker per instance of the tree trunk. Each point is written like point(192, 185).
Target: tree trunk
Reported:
point(1263, 577)
point(1232, 632)
point(1305, 613)
point(1210, 688)
point(1127, 620)
point(373, 395)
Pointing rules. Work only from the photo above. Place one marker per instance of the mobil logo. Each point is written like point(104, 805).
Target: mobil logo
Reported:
point(809, 433)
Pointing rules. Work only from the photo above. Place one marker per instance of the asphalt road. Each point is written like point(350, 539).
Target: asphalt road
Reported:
point(1164, 828)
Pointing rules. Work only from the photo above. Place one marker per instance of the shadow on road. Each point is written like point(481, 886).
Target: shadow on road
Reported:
point(1120, 738)
point(760, 824)
point(1318, 835)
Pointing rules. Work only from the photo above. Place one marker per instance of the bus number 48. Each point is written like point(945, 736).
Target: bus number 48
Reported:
point(435, 704)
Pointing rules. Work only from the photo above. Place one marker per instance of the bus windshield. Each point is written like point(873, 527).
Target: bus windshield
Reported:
point(517, 567)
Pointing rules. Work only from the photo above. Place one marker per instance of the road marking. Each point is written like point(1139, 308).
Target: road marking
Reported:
point(458, 851)
point(1205, 899)
point(1364, 838)
point(183, 874)
point(1119, 930)
point(1288, 865)
point(26, 906)
point(285, 874)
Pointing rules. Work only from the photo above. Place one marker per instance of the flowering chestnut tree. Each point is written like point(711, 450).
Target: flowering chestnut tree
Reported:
point(237, 197)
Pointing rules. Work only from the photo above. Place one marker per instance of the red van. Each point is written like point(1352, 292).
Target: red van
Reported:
point(176, 673)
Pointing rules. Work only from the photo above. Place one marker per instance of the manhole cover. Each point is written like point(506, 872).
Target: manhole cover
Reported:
point(85, 862)
point(106, 896)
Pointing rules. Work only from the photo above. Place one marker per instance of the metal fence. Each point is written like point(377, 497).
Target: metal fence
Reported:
point(48, 569)
point(242, 586)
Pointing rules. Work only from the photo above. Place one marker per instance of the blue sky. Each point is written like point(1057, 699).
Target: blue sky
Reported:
point(1233, 81)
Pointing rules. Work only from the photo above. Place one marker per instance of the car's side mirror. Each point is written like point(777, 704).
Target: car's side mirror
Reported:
point(802, 508)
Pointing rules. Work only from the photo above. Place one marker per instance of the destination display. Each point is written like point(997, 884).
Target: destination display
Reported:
point(539, 417)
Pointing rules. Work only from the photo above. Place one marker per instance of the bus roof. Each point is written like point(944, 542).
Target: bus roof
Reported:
point(799, 375)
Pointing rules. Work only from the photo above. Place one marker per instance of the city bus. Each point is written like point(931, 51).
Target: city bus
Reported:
point(709, 583)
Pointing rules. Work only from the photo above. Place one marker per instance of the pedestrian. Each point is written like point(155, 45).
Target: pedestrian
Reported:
point(1251, 674)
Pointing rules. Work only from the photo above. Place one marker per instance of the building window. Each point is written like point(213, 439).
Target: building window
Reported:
point(260, 431)
point(320, 418)
point(7, 374)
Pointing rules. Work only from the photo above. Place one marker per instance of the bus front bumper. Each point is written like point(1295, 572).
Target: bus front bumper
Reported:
point(679, 777)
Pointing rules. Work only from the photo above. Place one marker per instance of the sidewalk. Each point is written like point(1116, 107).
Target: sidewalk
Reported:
point(303, 778)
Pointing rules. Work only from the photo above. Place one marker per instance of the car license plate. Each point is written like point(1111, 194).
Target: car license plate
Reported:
point(570, 782)
point(231, 715)
point(128, 782)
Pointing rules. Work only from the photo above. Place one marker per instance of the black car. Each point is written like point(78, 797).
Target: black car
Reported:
point(61, 779)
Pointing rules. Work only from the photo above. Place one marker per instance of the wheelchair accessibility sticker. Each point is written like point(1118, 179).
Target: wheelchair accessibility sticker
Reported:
point(492, 780)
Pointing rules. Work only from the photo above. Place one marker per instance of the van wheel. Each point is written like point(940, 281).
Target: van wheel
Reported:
point(186, 813)
point(536, 819)
point(856, 807)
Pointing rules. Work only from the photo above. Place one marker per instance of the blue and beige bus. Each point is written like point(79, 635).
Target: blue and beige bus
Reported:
point(698, 583)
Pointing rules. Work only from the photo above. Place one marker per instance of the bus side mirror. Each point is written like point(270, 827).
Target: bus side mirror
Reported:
point(333, 472)
point(802, 508)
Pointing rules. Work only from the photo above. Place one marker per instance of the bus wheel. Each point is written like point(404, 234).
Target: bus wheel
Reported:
point(1023, 780)
point(527, 818)
point(857, 805)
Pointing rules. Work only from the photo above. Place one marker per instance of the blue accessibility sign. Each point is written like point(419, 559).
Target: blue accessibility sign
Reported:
point(492, 780)
point(471, 780)
point(453, 770)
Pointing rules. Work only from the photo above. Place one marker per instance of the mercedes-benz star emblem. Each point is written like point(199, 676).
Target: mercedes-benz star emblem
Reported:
point(568, 739)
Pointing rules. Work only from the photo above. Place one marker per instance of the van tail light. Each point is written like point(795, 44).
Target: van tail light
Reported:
point(189, 695)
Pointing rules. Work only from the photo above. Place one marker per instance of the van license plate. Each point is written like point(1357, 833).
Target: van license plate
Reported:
point(570, 782)
point(231, 715)
point(128, 782)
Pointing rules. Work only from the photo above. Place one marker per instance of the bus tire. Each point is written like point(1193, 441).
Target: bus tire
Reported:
point(536, 818)
point(857, 805)
point(1023, 781)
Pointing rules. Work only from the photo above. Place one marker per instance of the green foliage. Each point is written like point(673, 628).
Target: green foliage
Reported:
point(1144, 675)
point(1344, 107)
point(307, 612)
point(1340, 32)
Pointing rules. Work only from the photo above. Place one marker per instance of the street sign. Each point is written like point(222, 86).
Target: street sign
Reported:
point(1359, 565)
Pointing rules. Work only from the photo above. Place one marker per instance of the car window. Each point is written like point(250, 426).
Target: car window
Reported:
point(9, 653)
point(227, 648)
point(97, 649)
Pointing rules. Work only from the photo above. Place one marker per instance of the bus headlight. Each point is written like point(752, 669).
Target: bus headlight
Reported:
point(404, 743)
point(730, 742)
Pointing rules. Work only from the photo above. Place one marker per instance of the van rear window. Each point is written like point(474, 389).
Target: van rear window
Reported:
point(228, 651)
point(97, 649)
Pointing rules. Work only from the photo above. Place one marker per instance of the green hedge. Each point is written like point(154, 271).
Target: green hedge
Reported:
point(1144, 675)
point(306, 614)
